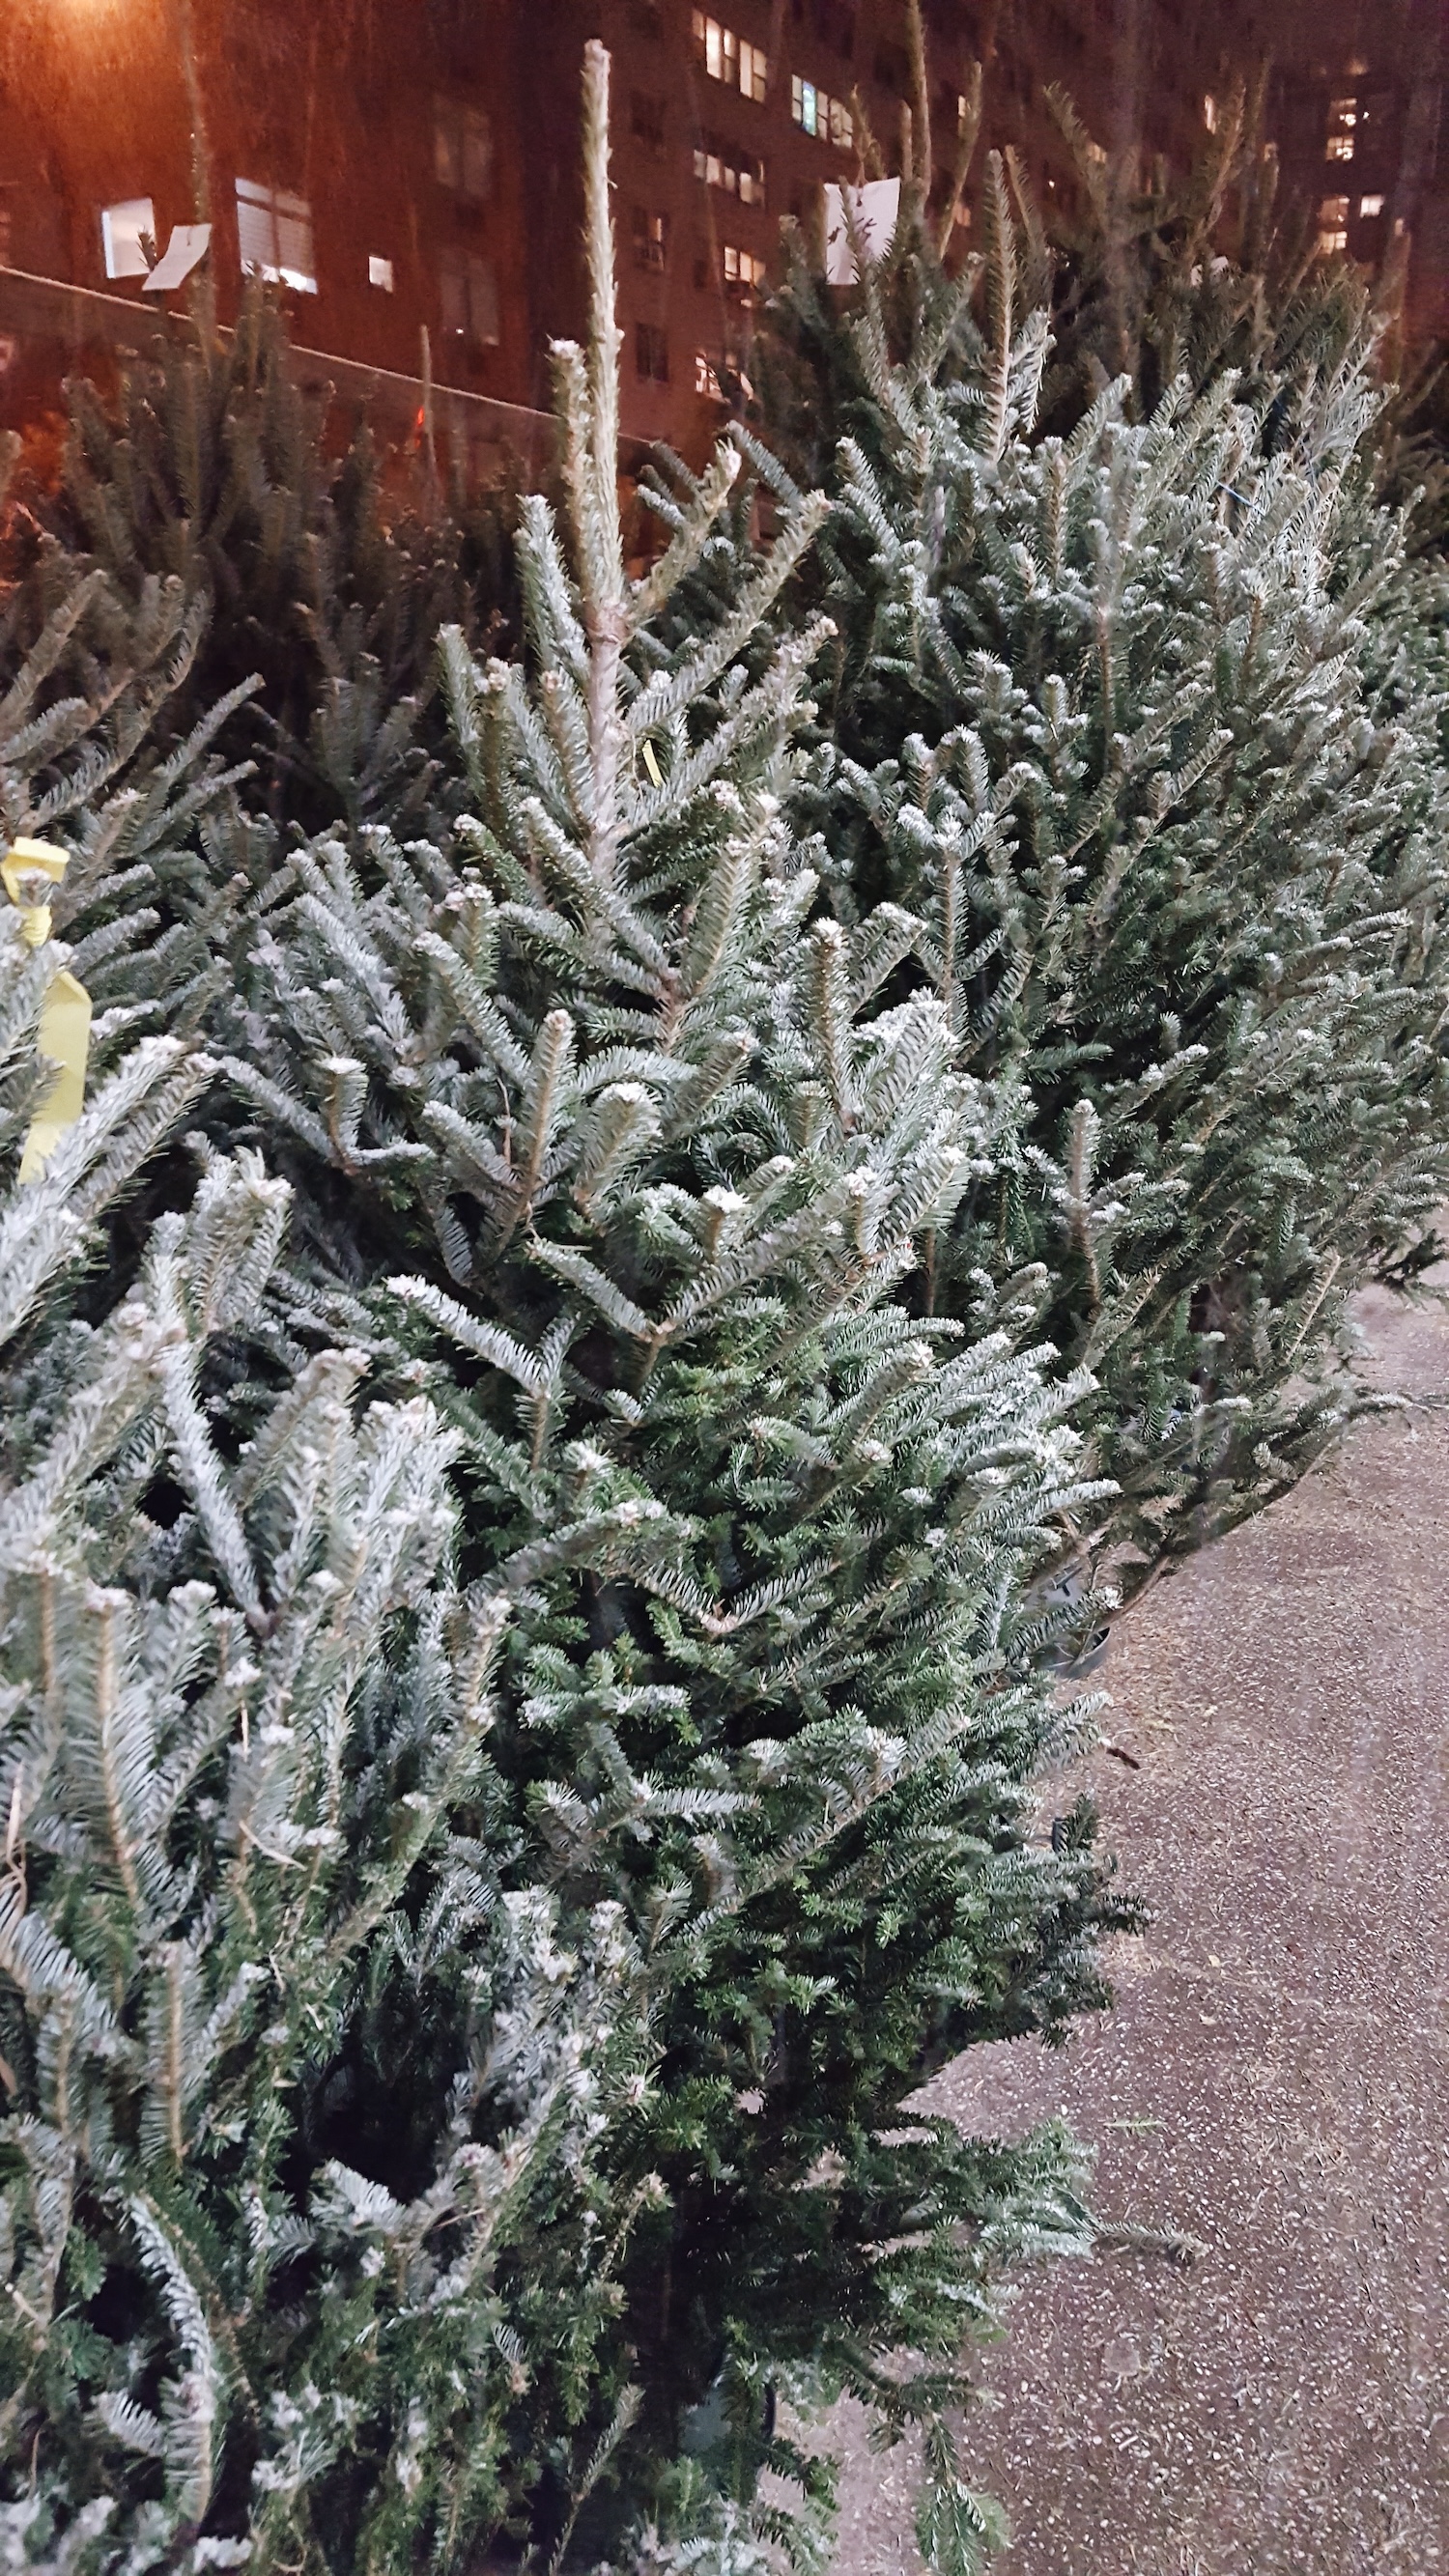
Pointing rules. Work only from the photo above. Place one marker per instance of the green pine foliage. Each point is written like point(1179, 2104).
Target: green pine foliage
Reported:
point(93, 758)
point(1128, 751)
point(1167, 277)
point(320, 576)
point(522, 1740)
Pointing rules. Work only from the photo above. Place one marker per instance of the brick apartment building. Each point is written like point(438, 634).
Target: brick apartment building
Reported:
point(407, 170)
point(1358, 110)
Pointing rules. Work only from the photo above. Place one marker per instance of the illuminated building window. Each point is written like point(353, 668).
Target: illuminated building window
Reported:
point(817, 113)
point(651, 239)
point(468, 299)
point(462, 148)
point(651, 353)
point(729, 58)
point(741, 268)
point(706, 382)
point(121, 229)
point(1210, 113)
point(274, 236)
point(1370, 206)
point(1333, 225)
point(1342, 120)
point(722, 165)
point(379, 272)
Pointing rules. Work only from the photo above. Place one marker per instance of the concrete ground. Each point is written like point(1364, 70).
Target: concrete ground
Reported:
point(1275, 2079)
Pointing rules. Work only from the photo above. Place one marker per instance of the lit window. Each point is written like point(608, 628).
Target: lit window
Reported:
point(741, 268)
point(1210, 113)
point(274, 236)
point(379, 272)
point(963, 111)
point(1342, 120)
point(816, 112)
point(651, 239)
point(1328, 243)
point(1370, 206)
point(651, 353)
point(727, 57)
point(468, 300)
point(706, 382)
point(121, 229)
point(723, 165)
point(462, 148)
point(1334, 210)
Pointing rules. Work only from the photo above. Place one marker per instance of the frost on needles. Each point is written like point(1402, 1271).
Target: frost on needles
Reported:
point(1129, 753)
point(520, 1744)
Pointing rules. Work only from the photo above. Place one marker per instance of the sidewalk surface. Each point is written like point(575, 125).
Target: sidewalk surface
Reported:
point(1275, 2079)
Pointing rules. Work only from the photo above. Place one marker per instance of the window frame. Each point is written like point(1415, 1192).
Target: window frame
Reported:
point(256, 203)
point(468, 288)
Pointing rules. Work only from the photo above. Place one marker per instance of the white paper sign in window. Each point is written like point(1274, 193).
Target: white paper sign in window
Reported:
point(874, 210)
point(184, 252)
point(121, 229)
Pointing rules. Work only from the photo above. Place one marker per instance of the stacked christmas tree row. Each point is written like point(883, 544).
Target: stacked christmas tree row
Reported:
point(588, 1302)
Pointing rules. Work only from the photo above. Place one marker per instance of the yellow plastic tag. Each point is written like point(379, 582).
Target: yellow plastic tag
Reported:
point(64, 1034)
point(651, 764)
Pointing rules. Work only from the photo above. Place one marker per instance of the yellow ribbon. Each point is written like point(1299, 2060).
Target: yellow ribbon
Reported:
point(64, 1034)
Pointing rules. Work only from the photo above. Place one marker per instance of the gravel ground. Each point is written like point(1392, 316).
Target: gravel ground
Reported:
point(1275, 2079)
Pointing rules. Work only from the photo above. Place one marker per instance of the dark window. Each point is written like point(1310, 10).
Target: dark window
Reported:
point(651, 239)
point(468, 299)
point(651, 353)
point(646, 120)
point(834, 24)
point(462, 148)
point(647, 19)
point(893, 68)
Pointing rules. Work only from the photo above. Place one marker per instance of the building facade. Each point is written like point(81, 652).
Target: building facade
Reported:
point(406, 171)
point(1358, 108)
point(361, 154)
